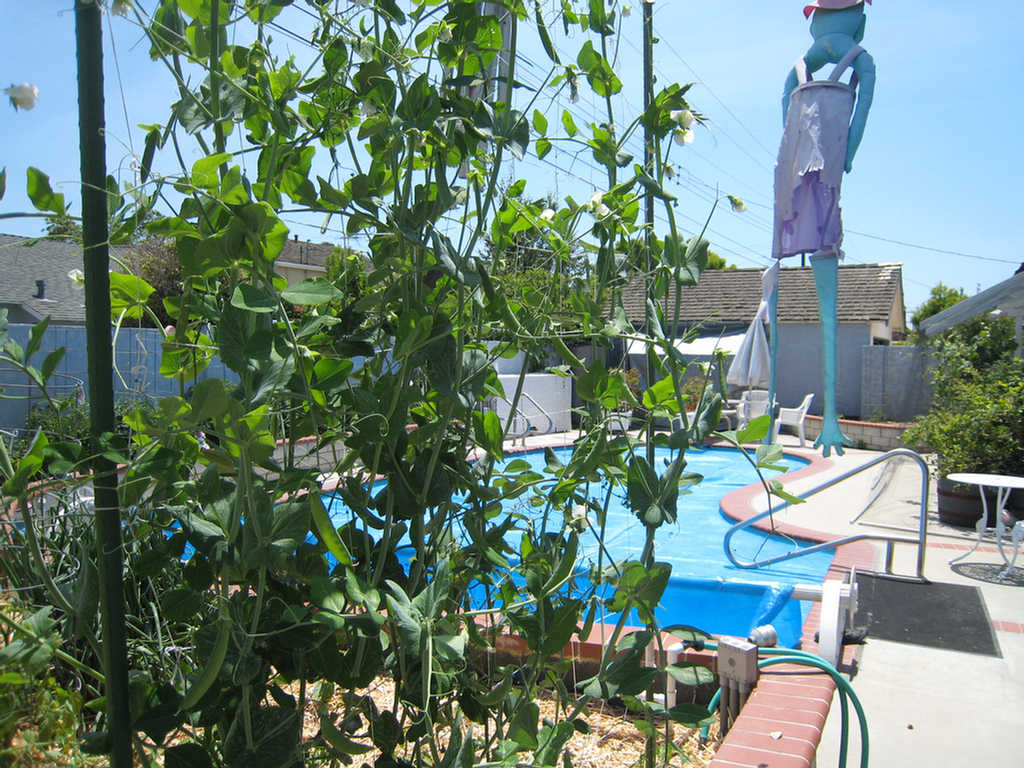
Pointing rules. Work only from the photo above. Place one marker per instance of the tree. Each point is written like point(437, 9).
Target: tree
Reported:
point(717, 262)
point(941, 297)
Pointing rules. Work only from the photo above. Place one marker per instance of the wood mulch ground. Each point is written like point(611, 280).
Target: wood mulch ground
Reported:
point(614, 741)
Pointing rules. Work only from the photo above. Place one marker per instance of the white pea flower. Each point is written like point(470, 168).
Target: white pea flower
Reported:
point(444, 33)
point(121, 7)
point(547, 214)
point(684, 136)
point(737, 203)
point(596, 198)
point(627, 10)
point(22, 96)
point(368, 109)
point(670, 172)
point(683, 117)
point(603, 210)
point(77, 278)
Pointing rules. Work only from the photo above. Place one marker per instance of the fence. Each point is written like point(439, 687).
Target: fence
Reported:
point(895, 382)
point(137, 354)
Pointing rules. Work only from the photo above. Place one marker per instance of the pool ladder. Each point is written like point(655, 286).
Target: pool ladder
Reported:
point(889, 540)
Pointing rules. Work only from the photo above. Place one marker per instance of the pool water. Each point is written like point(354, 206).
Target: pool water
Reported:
point(706, 590)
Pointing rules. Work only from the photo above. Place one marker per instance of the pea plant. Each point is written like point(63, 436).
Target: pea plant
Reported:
point(268, 594)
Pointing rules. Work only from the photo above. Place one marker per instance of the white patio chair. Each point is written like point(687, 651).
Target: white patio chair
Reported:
point(753, 403)
point(793, 417)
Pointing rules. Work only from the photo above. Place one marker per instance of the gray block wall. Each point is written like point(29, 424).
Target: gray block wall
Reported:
point(895, 383)
point(800, 366)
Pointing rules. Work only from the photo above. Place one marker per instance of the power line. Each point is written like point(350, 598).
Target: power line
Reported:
point(929, 248)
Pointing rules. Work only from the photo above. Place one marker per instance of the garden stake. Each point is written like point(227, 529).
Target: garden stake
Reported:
point(89, 39)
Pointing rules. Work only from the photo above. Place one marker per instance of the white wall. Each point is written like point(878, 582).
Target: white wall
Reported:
point(552, 393)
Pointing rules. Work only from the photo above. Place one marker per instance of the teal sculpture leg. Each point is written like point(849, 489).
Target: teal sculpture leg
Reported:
point(826, 281)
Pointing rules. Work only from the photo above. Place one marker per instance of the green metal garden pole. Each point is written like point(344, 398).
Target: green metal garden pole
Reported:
point(648, 45)
point(92, 146)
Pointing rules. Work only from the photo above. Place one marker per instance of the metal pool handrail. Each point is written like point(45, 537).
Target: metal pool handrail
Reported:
point(890, 540)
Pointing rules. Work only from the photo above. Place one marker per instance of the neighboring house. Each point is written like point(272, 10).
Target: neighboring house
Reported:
point(1005, 298)
point(870, 312)
point(34, 278)
point(301, 260)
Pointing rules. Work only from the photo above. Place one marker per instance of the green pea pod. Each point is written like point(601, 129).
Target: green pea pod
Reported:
point(337, 739)
point(211, 670)
point(327, 532)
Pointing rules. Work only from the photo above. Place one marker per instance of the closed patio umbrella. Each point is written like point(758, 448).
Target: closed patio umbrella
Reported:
point(751, 367)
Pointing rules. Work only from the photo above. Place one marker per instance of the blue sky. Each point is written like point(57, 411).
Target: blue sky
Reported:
point(939, 167)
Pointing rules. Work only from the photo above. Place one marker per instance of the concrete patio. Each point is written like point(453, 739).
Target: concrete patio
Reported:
point(926, 705)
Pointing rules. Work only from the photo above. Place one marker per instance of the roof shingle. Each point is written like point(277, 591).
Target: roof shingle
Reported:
point(867, 293)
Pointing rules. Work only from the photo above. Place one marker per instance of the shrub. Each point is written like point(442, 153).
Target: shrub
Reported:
point(976, 422)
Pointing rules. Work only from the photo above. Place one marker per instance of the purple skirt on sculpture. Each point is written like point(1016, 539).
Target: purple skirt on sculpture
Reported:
point(809, 171)
point(816, 224)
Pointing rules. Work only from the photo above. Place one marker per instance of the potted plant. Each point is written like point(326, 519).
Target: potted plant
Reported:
point(976, 422)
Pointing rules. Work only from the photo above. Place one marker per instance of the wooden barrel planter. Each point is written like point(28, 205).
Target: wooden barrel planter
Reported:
point(961, 504)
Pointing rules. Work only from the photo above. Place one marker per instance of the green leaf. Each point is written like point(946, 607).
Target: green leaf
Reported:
point(188, 755)
point(523, 728)
point(687, 673)
point(128, 294)
point(568, 123)
point(694, 261)
point(40, 193)
point(311, 292)
point(3, 182)
point(210, 400)
point(35, 338)
point(181, 604)
point(489, 432)
point(27, 466)
point(51, 362)
point(114, 198)
point(204, 170)
point(540, 122)
point(253, 298)
point(599, 73)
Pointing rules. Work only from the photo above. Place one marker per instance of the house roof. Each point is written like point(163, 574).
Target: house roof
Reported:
point(26, 260)
point(296, 251)
point(867, 293)
point(1007, 296)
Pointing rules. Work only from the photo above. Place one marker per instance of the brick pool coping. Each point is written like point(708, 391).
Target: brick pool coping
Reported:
point(781, 724)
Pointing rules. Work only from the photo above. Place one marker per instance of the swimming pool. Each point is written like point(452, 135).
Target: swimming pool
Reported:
point(705, 590)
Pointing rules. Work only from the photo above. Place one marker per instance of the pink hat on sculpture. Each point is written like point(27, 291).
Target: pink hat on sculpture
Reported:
point(830, 5)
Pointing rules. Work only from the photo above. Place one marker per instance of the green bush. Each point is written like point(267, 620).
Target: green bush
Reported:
point(976, 423)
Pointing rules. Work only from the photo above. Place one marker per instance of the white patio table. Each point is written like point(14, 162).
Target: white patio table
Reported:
point(1003, 485)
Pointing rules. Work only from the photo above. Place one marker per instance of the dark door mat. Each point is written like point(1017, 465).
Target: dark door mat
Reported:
point(948, 616)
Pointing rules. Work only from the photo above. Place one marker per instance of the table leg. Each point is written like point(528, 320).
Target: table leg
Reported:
point(979, 526)
point(1017, 534)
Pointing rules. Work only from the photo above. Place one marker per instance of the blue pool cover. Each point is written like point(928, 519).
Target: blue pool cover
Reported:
point(705, 590)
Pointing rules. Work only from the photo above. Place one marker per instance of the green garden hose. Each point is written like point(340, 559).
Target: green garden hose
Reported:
point(790, 656)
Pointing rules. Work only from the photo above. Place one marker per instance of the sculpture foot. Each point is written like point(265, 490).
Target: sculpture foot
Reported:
point(831, 437)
